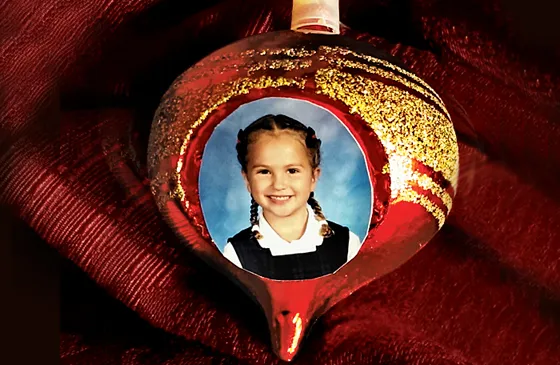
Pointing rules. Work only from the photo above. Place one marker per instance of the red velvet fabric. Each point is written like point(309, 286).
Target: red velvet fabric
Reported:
point(80, 82)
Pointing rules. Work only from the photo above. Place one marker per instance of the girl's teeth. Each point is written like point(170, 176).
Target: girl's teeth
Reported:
point(280, 197)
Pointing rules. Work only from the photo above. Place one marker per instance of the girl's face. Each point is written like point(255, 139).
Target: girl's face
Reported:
point(279, 174)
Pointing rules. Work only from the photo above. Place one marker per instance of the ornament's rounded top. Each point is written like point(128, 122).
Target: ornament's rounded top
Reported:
point(316, 16)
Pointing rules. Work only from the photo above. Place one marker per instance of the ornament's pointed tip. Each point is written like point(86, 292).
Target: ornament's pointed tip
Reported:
point(287, 330)
point(286, 357)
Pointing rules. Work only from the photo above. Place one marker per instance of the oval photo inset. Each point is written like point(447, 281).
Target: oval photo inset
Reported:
point(284, 189)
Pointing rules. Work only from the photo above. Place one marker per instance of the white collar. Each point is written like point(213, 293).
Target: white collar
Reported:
point(308, 242)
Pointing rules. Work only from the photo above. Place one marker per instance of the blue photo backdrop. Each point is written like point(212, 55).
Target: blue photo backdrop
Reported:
point(343, 190)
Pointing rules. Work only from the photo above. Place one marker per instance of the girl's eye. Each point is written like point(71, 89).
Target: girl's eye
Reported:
point(263, 172)
point(293, 171)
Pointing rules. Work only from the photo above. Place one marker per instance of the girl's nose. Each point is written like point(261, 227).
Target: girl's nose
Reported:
point(279, 182)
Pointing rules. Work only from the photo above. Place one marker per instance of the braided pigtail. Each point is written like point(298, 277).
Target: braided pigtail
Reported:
point(326, 230)
point(255, 218)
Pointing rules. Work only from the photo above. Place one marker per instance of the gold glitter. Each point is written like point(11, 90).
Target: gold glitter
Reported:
point(412, 196)
point(257, 60)
point(286, 65)
point(346, 51)
point(401, 173)
point(201, 70)
point(300, 52)
point(234, 88)
point(391, 76)
point(385, 169)
point(406, 125)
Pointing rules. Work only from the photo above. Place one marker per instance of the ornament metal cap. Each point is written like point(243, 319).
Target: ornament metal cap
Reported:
point(316, 16)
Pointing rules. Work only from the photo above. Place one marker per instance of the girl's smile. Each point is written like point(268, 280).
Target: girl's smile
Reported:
point(279, 199)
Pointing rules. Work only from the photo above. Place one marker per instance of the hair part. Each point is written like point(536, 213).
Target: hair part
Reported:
point(277, 124)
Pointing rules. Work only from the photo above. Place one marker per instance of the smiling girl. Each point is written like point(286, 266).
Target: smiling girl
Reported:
point(289, 239)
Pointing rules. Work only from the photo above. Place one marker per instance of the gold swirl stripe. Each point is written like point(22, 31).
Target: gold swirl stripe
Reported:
point(389, 65)
point(426, 183)
point(411, 196)
point(403, 177)
point(286, 65)
point(390, 76)
point(294, 52)
point(406, 125)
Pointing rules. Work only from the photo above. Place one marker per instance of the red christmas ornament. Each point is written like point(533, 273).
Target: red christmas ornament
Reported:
point(397, 120)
